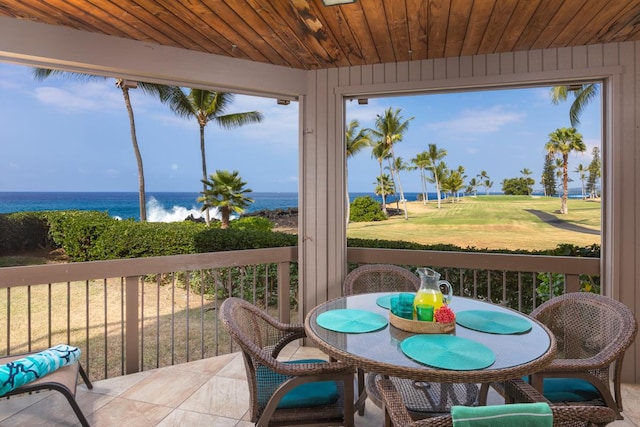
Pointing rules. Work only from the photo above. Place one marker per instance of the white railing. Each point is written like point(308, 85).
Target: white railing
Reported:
point(135, 314)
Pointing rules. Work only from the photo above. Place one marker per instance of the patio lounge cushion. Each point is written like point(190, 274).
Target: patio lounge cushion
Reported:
point(558, 390)
point(517, 414)
point(302, 396)
point(29, 368)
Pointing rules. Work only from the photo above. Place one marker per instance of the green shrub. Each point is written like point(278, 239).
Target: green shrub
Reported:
point(131, 239)
point(365, 209)
point(252, 223)
point(23, 231)
point(77, 231)
point(214, 240)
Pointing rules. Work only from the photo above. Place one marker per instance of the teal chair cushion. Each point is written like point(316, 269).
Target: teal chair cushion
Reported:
point(303, 396)
point(33, 366)
point(568, 390)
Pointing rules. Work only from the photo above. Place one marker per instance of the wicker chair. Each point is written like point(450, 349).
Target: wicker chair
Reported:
point(422, 399)
point(380, 278)
point(396, 414)
point(592, 332)
point(261, 338)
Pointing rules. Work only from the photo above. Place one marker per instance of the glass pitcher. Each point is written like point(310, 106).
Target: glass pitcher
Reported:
point(429, 292)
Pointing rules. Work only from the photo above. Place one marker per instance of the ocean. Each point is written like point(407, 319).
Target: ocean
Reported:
point(161, 206)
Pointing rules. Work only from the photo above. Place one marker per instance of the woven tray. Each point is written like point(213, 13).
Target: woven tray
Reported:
point(420, 327)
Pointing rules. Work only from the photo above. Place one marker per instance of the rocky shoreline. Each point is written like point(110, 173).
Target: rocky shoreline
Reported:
point(281, 218)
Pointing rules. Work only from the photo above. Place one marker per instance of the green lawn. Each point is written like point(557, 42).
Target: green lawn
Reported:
point(492, 222)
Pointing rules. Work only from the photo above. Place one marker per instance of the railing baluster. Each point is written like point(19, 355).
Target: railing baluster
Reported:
point(49, 311)
point(142, 342)
point(188, 285)
point(158, 287)
point(8, 320)
point(122, 326)
point(132, 352)
point(201, 316)
point(173, 318)
point(504, 287)
point(106, 330)
point(29, 318)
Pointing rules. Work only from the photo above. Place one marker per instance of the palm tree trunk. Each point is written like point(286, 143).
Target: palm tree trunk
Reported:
point(384, 201)
point(207, 216)
point(224, 212)
point(136, 150)
point(404, 201)
point(423, 180)
point(565, 184)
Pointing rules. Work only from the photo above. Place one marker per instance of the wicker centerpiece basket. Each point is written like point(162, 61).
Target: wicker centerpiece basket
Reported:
point(421, 327)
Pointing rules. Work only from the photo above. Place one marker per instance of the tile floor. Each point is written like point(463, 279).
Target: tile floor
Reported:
point(210, 392)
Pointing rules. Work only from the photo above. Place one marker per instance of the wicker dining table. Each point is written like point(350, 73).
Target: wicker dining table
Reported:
point(379, 351)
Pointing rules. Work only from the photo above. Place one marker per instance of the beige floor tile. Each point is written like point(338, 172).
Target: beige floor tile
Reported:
point(15, 404)
point(234, 369)
point(118, 385)
point(54, 410)
point(373, 416)
point(209, 366)
point(245, 424)
point(125, 412)
point(180, 418)
point(309, 353)
point(289, 350)
point(221, 396)
point(166, 387)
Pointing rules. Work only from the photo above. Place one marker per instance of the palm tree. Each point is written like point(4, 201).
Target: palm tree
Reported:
point(384, 185)
point(472, 187)
point(526, 173)
point(435, 154)
point(355, 140)
point(487, 184)
point(389, 128)
point(124, 85)
point(421, 162)
point(563, 141)
point(453, 182)
point(225, 190)
point(439, 174)
point(582, 174)
point(398, 165)
point(380, 151)
point(206, 106)
point(583, 94)
point(484, 179)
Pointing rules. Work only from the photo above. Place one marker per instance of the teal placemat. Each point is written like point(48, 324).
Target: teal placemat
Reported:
point(448, 352)
point(351, 321)
point(493, 322)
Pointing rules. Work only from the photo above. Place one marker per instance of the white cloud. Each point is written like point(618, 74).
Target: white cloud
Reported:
point(174, 167)
point(477, 121)
point(81, 96)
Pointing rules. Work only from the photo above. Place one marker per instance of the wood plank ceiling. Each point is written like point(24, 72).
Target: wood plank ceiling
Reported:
point(305, 34)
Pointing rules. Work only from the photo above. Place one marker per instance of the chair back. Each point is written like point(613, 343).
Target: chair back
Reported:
point(587, 324)
point(593, 333)
point(380, 278)
point(260, 337)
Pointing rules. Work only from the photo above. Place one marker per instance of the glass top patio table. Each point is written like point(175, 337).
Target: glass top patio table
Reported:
point(379, 351)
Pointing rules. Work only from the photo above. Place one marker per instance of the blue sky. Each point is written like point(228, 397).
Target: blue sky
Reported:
point(64, 135)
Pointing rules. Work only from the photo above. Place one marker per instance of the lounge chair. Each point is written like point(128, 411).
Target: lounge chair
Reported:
point(63, 379)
